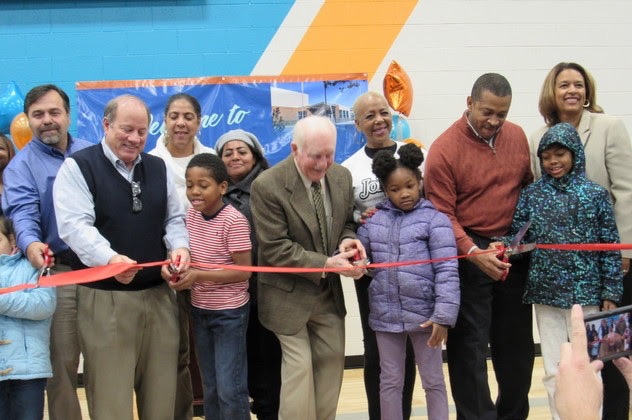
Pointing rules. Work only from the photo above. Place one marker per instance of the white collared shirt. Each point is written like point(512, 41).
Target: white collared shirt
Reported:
point(75, 214)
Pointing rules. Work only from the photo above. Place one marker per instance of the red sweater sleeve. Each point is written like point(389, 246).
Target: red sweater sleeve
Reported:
point(475, 185)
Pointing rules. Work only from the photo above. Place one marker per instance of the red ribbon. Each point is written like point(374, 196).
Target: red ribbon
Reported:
point(88, 275)
point(586, 247)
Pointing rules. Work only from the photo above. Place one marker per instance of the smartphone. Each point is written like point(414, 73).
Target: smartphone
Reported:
point(608, 333)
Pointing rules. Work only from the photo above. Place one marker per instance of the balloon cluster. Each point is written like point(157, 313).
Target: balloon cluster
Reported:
point(12, 118)
point(398, 90)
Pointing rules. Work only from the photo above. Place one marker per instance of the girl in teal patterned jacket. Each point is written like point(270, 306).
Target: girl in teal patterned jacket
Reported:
point(566, 208)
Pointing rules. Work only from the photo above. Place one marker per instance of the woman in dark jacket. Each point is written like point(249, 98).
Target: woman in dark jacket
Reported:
point(244, 158)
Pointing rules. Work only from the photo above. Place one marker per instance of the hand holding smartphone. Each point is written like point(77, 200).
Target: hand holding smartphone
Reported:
point(608, 333)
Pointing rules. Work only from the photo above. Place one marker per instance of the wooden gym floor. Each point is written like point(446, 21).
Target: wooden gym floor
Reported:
point(352, 404)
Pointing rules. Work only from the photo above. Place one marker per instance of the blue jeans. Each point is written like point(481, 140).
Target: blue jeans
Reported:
point(220, 345)
point(22, 399)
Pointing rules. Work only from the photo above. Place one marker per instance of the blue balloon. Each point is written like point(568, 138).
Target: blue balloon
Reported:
point(11, 104)
point(401, 129)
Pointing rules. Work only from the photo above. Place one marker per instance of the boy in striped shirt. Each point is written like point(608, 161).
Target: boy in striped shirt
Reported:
point(219, 234)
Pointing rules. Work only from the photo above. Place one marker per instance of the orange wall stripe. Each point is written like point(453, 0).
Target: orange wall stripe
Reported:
point(350, 36)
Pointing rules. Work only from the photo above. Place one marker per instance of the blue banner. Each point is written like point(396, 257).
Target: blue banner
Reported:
point(266, 106)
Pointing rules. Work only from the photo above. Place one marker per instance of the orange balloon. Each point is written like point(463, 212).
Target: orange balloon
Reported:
point(398, 89)
point(416, 142)
point(20, 130)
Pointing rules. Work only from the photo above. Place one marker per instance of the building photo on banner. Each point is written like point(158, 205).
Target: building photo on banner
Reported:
point(263, 65)
point(268, 107)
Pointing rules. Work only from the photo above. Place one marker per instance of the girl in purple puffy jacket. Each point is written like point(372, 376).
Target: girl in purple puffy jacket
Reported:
point(419, 301)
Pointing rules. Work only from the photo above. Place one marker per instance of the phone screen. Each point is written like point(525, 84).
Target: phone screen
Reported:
point(608, 333)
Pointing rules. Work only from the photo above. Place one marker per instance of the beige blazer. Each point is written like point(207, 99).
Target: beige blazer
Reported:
point(608, 162)
point(288, 234)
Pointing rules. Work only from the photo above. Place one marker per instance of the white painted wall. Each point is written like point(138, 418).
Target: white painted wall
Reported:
point(447, 44)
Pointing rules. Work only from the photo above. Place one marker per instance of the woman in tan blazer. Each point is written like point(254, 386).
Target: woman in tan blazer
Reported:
point(568, 95)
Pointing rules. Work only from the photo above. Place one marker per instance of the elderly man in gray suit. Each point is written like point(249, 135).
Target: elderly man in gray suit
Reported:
point(303, 216)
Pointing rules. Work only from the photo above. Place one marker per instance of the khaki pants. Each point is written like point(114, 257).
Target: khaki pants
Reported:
point(129, 341)
point(184, 391)
point(313, 364)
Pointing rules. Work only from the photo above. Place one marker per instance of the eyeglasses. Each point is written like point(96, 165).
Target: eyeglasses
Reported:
point(137, 205)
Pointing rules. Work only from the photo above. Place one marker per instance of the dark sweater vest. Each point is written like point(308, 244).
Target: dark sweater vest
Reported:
point(138, 236)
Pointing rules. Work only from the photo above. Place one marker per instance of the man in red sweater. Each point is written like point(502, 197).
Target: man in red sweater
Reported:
point(474, 173)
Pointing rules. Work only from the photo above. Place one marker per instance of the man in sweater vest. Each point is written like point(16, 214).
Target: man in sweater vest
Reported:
point(474, 173)
point(114, 203)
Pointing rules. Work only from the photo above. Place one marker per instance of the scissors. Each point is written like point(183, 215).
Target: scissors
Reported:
point(515, 247)
point(174, 269)
point(45, 270)
point(358, 260)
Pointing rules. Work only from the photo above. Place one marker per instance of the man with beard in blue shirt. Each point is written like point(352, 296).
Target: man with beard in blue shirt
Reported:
point(28, 201)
